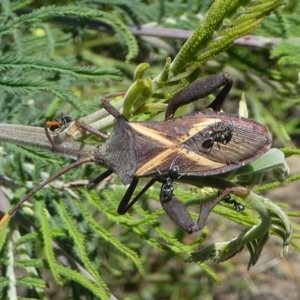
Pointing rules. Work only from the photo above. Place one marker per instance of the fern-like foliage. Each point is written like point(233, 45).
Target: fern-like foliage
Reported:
point(73, 238)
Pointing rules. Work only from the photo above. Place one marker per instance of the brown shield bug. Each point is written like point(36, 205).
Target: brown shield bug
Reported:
point(150, 149)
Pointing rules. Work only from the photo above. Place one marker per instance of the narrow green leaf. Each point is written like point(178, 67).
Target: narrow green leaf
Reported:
point(40, 212)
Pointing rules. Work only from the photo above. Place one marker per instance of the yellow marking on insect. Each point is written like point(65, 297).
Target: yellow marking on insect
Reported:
point(153, 163)
point(192, 157)
point(153, 134)
point(197, 127)
point(175, 140)
point(201, 161)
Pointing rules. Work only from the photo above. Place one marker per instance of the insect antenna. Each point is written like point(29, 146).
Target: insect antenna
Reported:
point(8, 215)
point(60, 149)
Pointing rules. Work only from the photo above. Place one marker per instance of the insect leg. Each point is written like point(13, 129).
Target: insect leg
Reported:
point(108, 107)
point(201, 89)
point(62, 149)
point(174, 208)
point(124, 205)
point(206, 208)
point(98, 179)
point(227, 81)
point(90, 129)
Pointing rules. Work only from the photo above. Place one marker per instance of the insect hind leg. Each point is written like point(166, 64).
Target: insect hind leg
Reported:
point(174, 208)
point(200, 89)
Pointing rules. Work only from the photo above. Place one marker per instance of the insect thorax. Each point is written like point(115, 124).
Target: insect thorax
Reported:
point(119, 153)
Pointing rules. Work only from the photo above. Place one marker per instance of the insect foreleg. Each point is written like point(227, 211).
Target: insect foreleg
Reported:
point(108, 107)
point(90, 129)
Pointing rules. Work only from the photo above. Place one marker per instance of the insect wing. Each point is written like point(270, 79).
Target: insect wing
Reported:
point(183, 142)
